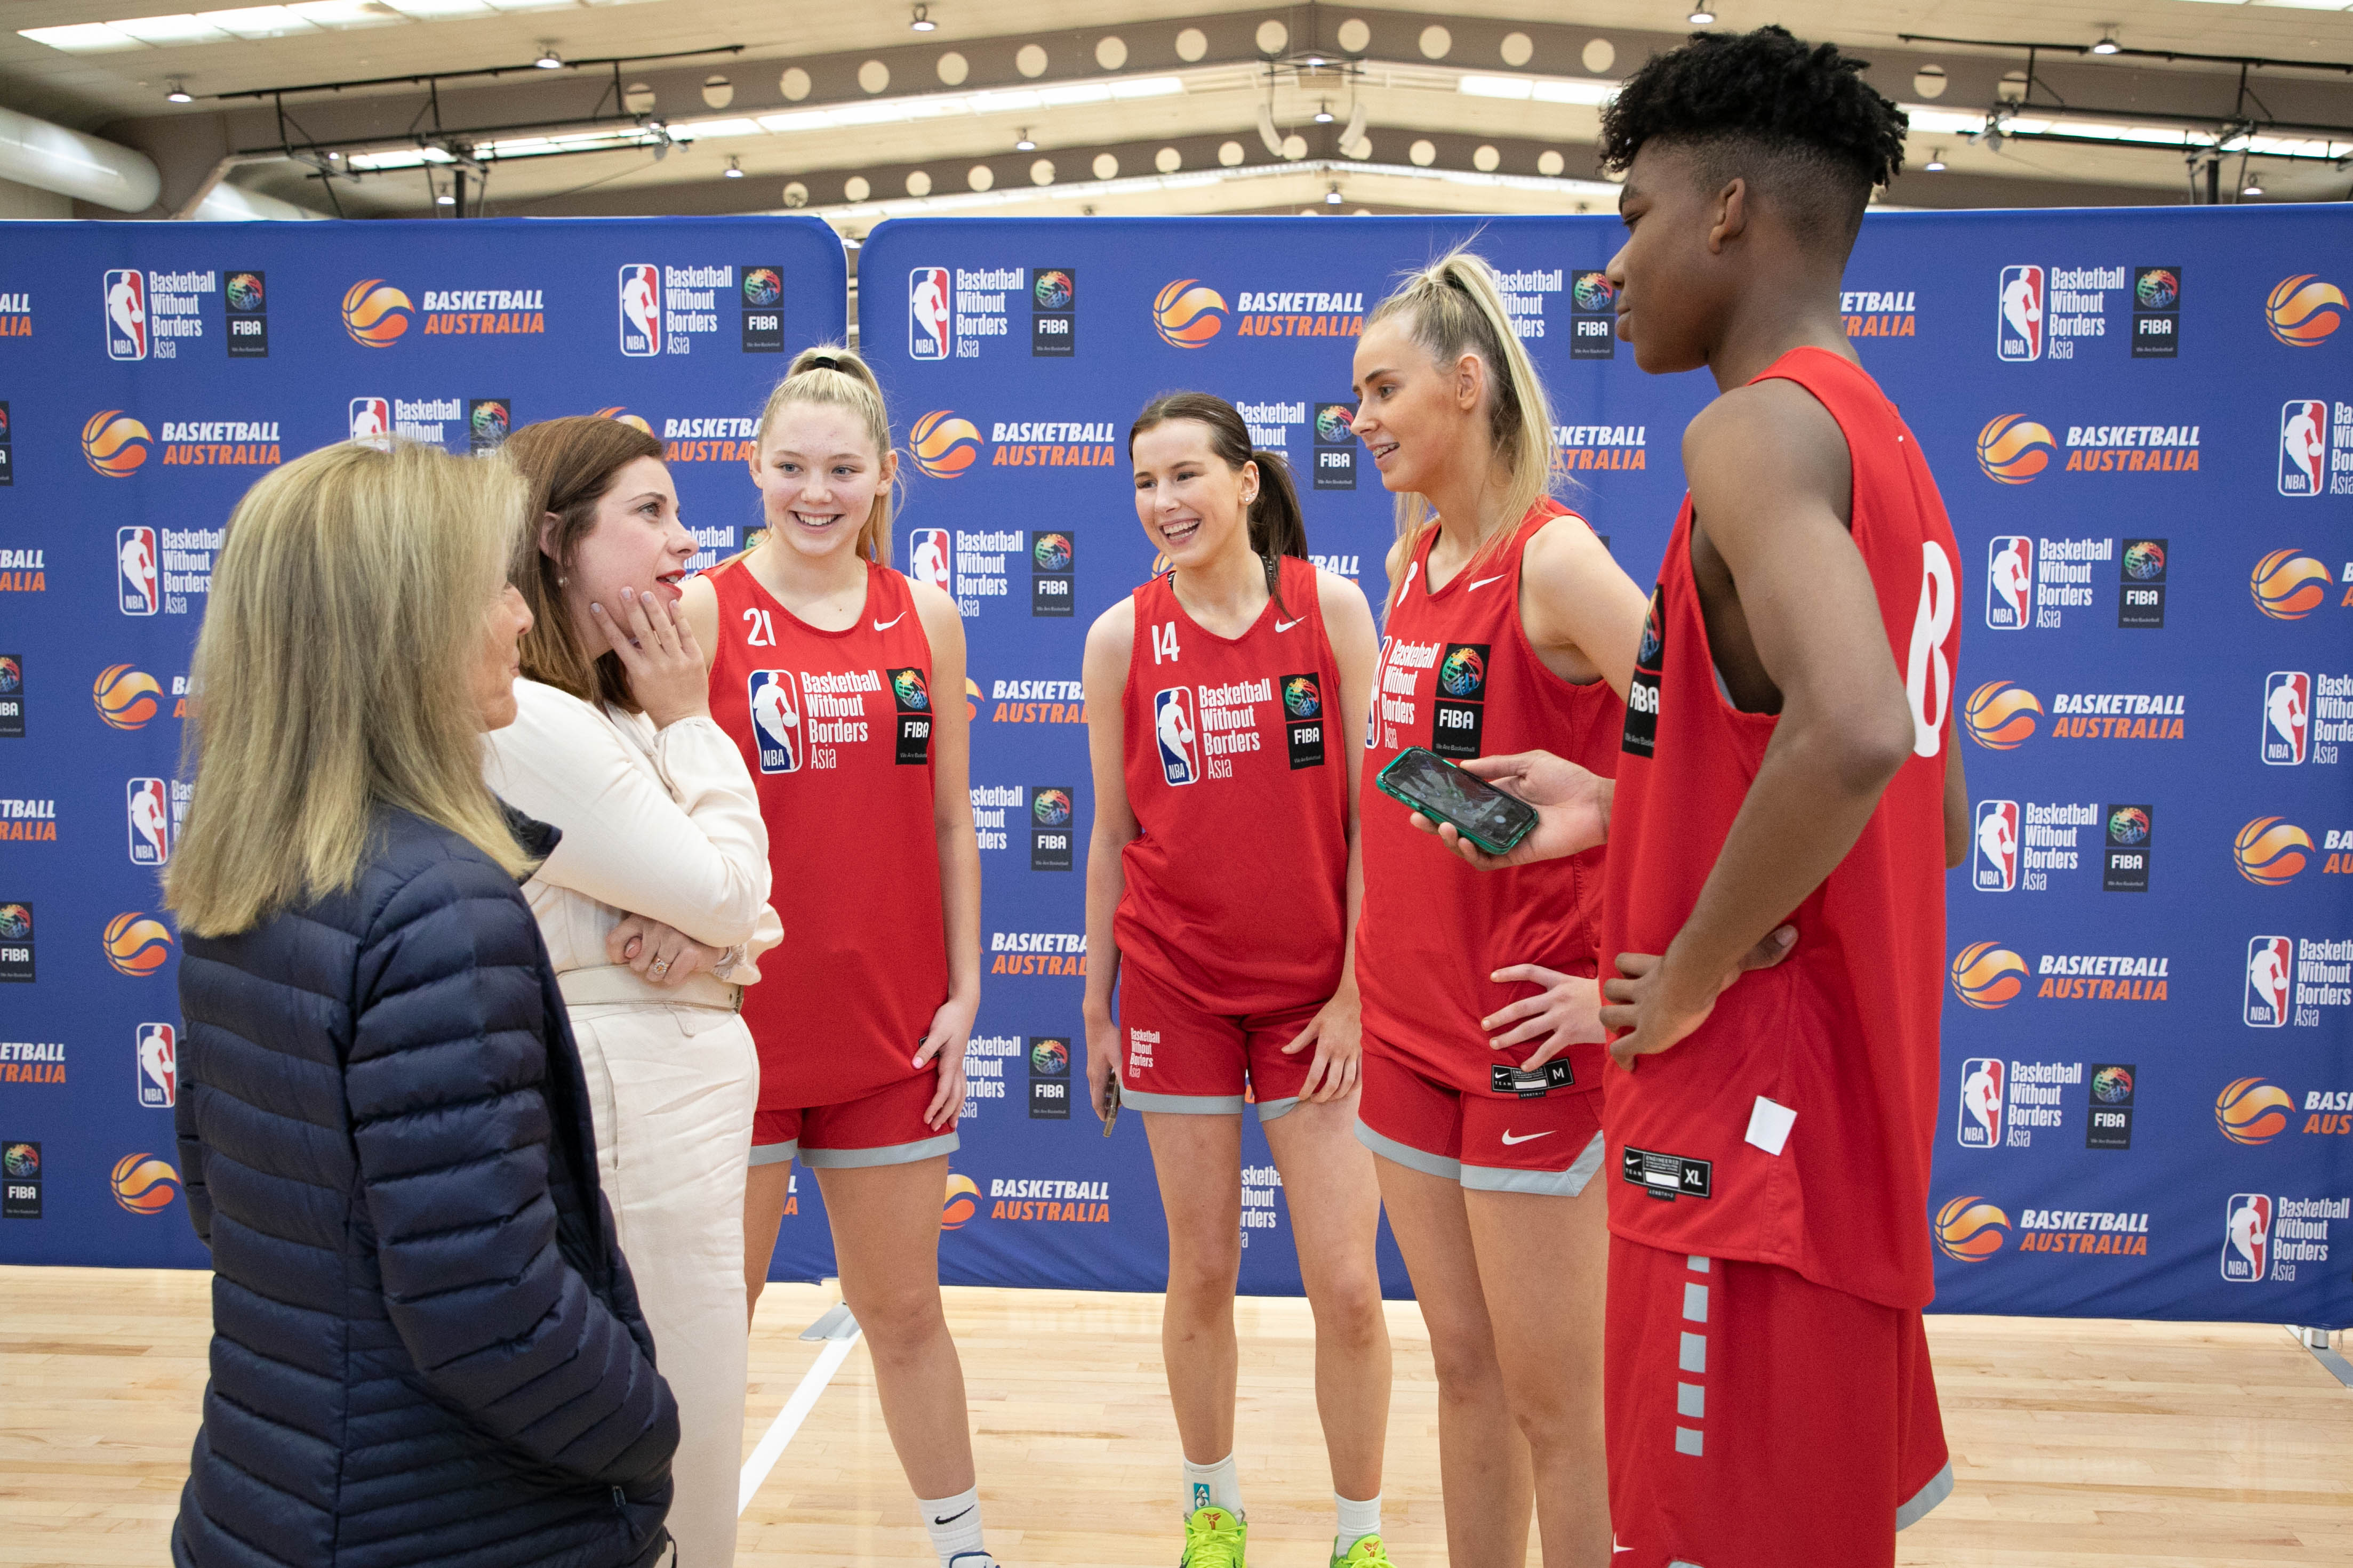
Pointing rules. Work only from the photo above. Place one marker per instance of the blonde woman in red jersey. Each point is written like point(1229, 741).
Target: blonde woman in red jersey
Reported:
point(1224, 703)
point(824, 668)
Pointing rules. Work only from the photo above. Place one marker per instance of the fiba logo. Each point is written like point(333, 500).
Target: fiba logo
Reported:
point(641, 310)
point(2012, 448)
point(930, 558)
point(136, 944)
point(1994, 868)
point(144, 1183)
point(1463, 671)
point(930, 297)
point(2270, 965)
point(2288, 718)
point(942, 444)
point(959, 1202)
point(2246, 1239)
point(371, 420)
point(1987, 975)
point(2271, 850)
point(2304, 446)
point(1188, 313)
point(1970, 1230)
point(1172, 722)
point(156, 1049)
point(113, 443)
point(126, 698)
point(2000, 717)
point(375, 313)
point(1303, 696)
point(126, 313)
point(2303, 310)
point(2288, 586)
point(2009, 583)
point(773, 698)
point(2018, 327)
point(134, 567)
point(1981, 1102)
point(151, 822)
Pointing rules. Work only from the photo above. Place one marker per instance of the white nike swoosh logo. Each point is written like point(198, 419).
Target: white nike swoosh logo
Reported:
point(1525, 1137)
point(1485, 581)
point(1282, 626)
point(894, 620)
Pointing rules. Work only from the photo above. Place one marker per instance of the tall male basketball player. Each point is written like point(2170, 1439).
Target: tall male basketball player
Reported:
point(1787, 757)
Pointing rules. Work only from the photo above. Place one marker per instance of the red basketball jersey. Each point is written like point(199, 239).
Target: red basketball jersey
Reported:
point(1236, 887)
point(836, 727)
point(1843, 1032)
point(1458, 676)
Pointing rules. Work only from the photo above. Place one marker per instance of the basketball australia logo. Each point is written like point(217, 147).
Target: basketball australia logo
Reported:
point(375, 313)
point(2288, 585)
point(2250, 1110)
point(2271, 850)
point(2303, 310)
point(1187, 314)
point(1987, 975)
point(136, 943)
point(1970, 1230)
point(942, 444)
point(144, 1185)
point(2000, 717)
point(114, 444)
point(2012, 448)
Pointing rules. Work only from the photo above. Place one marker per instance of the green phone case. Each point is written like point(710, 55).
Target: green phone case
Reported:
point(1388, 787)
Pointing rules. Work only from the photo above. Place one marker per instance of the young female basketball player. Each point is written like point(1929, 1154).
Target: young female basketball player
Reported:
point(825, 667)
point(1224, 705)
point(1509, 626)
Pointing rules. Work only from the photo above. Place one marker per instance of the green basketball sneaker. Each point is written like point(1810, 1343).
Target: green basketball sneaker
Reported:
point(1214, 1538)
point(1366, 1553)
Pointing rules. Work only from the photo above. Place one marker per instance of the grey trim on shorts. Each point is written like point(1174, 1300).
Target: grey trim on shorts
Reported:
point(782, 1153)
point(1268, 1109)
point(1925, 1499)
point(1567, 1183)
point(888, 1155)
point(1185, 1104)
point(1406, 1154)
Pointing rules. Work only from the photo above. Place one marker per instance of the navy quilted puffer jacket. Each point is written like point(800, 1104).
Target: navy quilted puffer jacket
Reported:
point(426, 1344)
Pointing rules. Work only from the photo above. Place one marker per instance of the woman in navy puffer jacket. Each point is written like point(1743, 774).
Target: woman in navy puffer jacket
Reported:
point(426, 1344)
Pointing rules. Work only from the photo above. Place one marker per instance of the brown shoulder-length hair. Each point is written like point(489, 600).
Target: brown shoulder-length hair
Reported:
point(568, 464)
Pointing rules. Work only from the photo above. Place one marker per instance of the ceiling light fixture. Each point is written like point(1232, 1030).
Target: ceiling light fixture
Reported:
point(1024, 144)
point(922, 22)
point(735, 169)
point(2107, 44)
point(548, 58)
point(1702, 17)
point(1332, 197)
point(178, 94)
point(2253, 188)
point(445, 200)
point(1935, 163)
point(1322, 113)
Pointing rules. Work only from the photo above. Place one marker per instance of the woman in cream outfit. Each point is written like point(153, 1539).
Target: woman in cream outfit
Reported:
point(655, 908)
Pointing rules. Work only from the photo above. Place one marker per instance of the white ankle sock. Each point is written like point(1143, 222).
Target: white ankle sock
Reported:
point(1357, 1520)
point(1213, 1486)
point(954, 1522)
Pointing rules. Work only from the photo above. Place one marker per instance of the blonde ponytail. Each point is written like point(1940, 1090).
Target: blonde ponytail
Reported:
point(1454, 307)
point(830, 375)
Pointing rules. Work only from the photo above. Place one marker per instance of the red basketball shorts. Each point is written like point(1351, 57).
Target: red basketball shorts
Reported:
point(1549, 1144)
point(1758, 1420)
point(1180, 1058)
point(885, 1127)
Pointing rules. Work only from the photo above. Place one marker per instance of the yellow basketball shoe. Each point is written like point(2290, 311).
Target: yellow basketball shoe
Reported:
point(1367, 1553)
point(1214, 1538)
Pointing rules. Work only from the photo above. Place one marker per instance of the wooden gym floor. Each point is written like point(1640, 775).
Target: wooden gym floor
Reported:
point(2076, 1444)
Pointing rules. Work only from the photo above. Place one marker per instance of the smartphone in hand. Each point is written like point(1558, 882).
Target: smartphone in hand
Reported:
point(1435, 787)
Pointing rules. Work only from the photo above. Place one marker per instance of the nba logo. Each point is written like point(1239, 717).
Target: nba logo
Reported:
point(134, 566)
point(371, 420)
point(2304, 446)
point(159, 1065)
point(1995, 869)
point(150, 822)
point(2287, 717)
point(2009, 583)
point(1180, 748)
point(931, 551)
point(2018, 334)
point(2271, 964)
point(929, 296)
point(2246, 1239)
point(1981, 1104)
point(641, 311)
point(126, 313)
point(775, 719)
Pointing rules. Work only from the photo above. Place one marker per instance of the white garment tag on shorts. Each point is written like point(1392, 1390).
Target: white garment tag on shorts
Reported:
point(1769, 1125)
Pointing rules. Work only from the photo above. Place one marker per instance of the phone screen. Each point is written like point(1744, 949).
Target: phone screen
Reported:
point(1453, 795)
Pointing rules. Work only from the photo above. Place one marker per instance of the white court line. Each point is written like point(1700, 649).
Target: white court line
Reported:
point(788, 1420)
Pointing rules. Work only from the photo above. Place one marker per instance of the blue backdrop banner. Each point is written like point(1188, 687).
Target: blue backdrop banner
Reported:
point(148, 373)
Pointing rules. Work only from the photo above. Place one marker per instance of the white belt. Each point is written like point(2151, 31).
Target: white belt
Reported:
point(614, 984)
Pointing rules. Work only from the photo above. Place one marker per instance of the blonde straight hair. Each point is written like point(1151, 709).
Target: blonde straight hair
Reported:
point(836, 377)
point(333, 676)
point(1454, 307)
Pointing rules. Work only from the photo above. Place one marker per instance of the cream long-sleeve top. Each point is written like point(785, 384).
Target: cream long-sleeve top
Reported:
point(658, 822)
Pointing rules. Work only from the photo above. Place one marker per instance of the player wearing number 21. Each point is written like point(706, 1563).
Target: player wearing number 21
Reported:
point(1787, 757)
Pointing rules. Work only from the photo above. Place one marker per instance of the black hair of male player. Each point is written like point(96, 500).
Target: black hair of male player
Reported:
point(1799, 123)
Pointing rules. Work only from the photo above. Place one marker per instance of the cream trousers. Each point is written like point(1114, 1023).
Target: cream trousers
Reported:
point(672, 1089)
